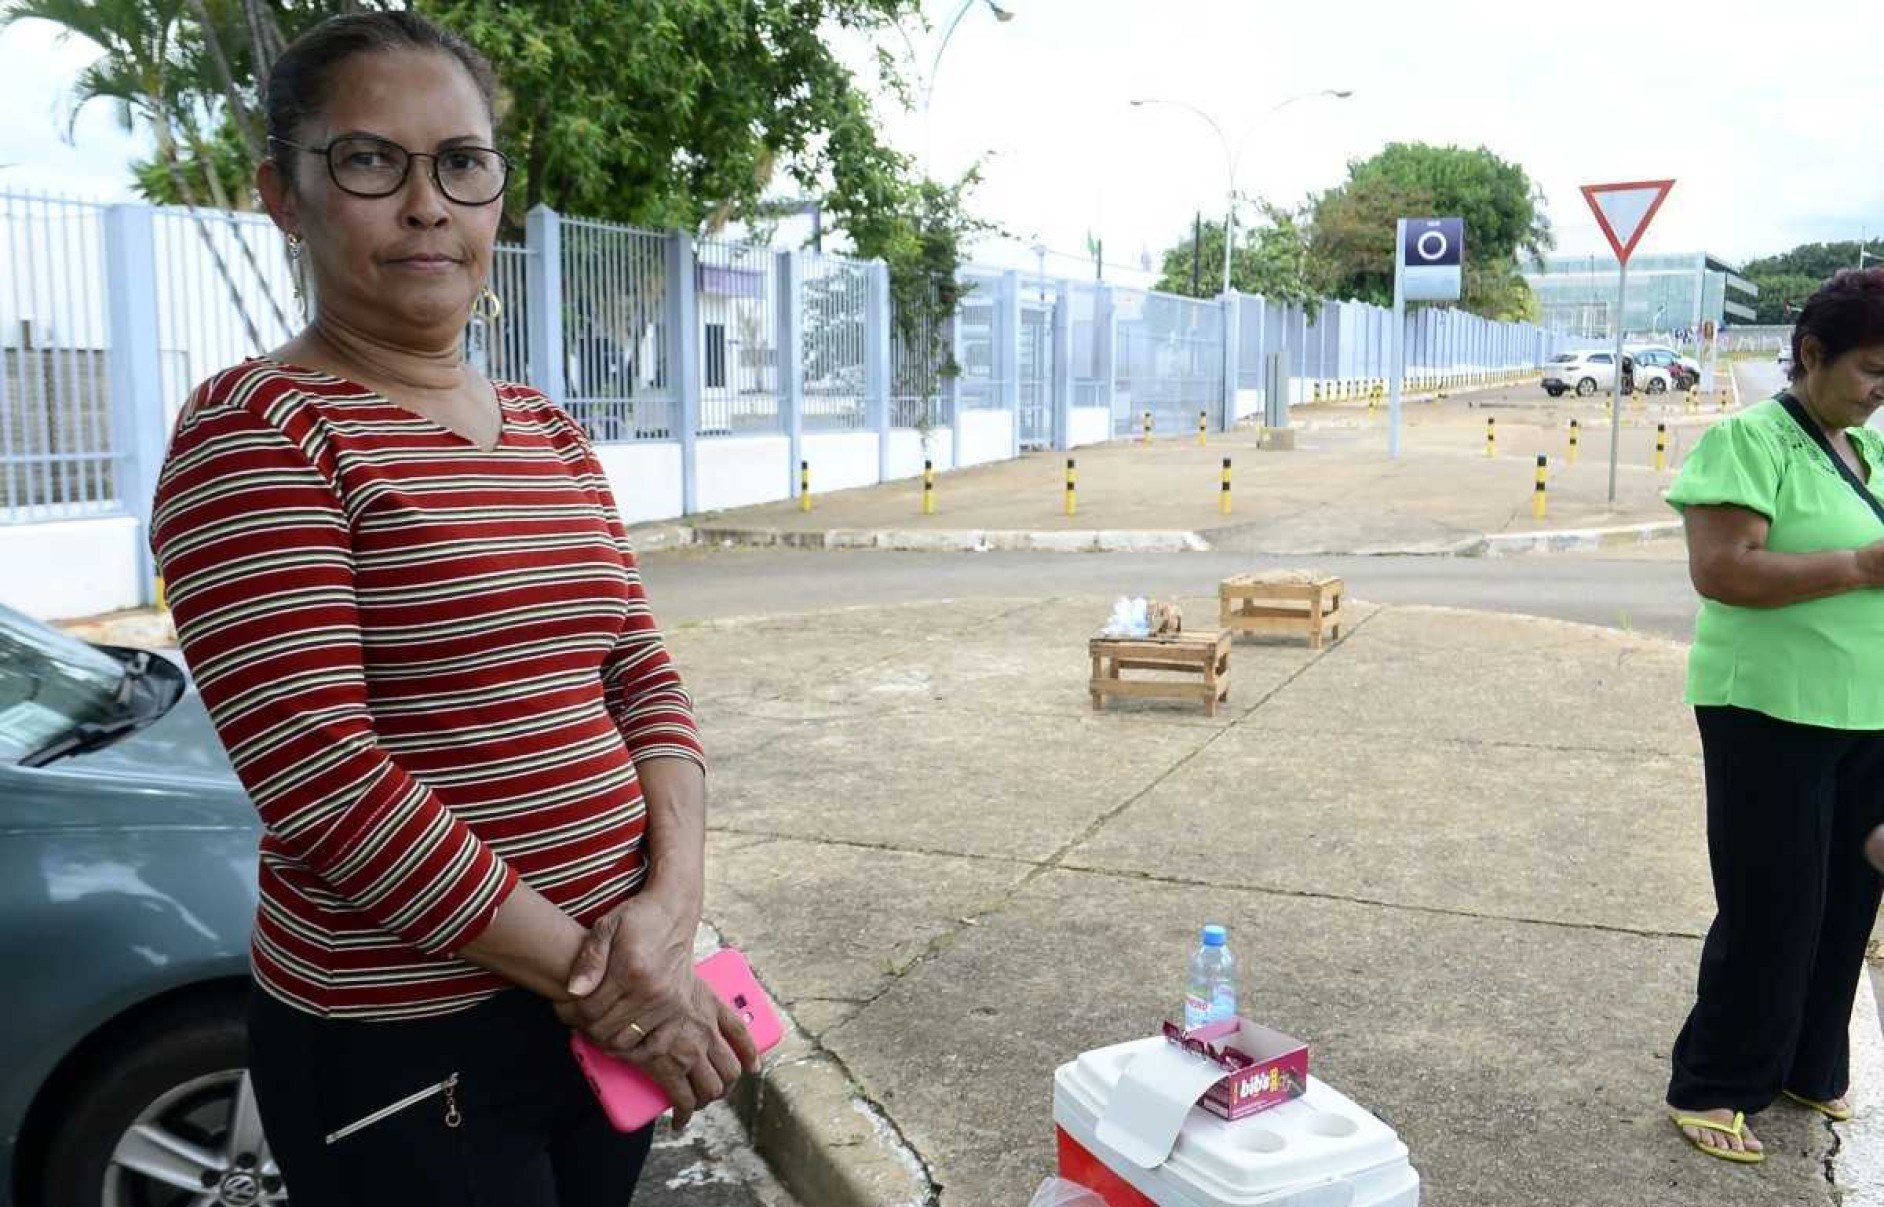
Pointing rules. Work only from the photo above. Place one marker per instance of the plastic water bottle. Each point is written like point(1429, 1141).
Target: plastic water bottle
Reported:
point(1211, 995)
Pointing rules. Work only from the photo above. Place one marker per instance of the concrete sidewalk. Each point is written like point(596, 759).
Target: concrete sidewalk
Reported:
point(1337, 492)
point(1460, 853)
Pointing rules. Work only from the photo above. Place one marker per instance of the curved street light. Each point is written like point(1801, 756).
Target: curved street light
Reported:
point(1232, 159)
point(926, 85)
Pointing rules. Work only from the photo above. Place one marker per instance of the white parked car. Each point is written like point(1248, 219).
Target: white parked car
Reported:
point(1584, 373)
point(1784, 360)
point(1681, 372)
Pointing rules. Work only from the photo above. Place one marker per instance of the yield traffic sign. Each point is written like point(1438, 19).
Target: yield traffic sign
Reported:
point(1624, 211)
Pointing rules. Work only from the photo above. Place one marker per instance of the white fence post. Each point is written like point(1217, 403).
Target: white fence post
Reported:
point(543, 289)
point(952, 384)
point(877, 360)
point(1063, 365)
point(1105, 334)
point(683, 369)
point(1232, 304)
point(791, 355)
point(1007, 337)
point(135, 373)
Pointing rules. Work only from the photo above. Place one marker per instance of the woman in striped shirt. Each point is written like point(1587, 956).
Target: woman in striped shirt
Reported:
point(411, 607)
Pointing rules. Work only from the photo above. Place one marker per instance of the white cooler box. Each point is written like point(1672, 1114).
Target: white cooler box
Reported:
point(1318, 1150)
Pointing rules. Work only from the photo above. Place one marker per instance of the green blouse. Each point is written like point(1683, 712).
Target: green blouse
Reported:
point(1818, 663)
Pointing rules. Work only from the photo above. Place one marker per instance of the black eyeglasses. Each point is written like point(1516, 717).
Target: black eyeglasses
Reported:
point(366, 166)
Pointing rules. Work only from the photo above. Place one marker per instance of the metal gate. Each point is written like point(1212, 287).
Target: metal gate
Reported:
point(1036, 375)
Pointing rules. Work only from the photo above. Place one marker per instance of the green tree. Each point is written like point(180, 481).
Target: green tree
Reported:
point(661, 113)
point(1786, 280)
point(1351, 243)
point(1271, 259)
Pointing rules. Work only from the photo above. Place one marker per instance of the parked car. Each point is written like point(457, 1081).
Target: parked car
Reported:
point(127, 892)
point(1680, 372)
point(1587, 372)
point(1784, 360)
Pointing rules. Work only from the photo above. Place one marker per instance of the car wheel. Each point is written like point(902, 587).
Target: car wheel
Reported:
point(164, 1120)
point(1656, 386)
point(1586, 387)
point(1554, 391)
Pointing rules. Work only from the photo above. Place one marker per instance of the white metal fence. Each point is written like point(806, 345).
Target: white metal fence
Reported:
point(834, 302)
point(56, 446)
point(712, 369)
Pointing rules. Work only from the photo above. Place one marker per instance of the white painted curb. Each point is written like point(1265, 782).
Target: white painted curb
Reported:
point(1501, 544)
point(1858, 1165)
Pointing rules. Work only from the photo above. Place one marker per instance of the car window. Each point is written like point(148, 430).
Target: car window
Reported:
point(1602, 358)
point(49, 683)
point(1563, 358)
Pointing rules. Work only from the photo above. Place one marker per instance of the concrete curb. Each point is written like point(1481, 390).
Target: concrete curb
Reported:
point(1567, 540)
point(964, 540)
point(822, 1139)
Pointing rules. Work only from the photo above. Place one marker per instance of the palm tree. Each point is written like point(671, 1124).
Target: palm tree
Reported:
point(146, 69)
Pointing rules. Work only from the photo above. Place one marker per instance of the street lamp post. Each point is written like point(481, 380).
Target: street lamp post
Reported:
point(1232, 159)
point(926, 84)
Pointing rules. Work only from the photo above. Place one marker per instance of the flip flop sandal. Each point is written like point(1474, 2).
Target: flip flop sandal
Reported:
point(1824, 1108)
point(1737, 1130)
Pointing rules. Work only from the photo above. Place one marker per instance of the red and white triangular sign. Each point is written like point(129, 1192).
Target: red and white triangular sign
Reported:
point(1624, 211)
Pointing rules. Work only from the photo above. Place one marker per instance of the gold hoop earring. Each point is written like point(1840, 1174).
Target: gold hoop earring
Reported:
point(488, 305)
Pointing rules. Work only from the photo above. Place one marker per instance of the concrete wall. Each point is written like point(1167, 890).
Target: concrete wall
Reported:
point(68, 568)
point(841, 460)
point(906, 451)
point(1089, 425)
point(738, 471)
point(986, 436)
point(645, 478)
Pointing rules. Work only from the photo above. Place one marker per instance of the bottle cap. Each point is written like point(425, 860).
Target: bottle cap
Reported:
point(1215, 936)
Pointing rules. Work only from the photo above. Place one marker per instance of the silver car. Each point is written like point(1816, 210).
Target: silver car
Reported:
point(127, 892)
point(1584, 373)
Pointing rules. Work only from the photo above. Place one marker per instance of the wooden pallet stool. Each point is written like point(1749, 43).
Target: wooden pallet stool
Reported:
point(1204, 654)
point(1286, 601)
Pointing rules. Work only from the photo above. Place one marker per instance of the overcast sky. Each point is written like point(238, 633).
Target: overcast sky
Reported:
point(1766, 114)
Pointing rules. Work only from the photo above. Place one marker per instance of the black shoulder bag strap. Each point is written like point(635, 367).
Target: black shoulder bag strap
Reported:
point(1797, 410)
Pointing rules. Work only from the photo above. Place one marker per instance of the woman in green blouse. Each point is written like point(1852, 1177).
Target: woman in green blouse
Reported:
point(1786, 548)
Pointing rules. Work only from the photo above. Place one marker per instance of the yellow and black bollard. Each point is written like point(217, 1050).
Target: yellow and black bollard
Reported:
point(1203, 428)
point(928, 487)
point(1491, 436)
point(1574, 434)
point(1661, 446)
point(1538, 503)
point(1072, 488)
point(1223, 491)
point(1147, 436)
point(804, 486)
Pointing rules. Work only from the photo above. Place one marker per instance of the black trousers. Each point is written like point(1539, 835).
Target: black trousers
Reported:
point(528, 1130)
point(1788, 809)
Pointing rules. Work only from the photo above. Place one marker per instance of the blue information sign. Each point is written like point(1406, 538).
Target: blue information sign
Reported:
point(1431, 256)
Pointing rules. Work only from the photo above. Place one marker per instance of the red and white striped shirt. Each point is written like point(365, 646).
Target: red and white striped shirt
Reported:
point(433, 667)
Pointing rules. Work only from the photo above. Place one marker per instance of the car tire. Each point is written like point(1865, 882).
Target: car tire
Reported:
point(1586, 387)
point(1656, 386)
point(1554, 391)
point(179, 1074)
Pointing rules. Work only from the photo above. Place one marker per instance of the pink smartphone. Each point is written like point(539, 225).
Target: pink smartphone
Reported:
point(629, 1097)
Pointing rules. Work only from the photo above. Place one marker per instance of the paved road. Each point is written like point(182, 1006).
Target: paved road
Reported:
point(1645, 590)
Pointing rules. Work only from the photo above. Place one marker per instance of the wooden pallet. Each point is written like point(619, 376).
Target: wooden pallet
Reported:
point(1289, 602)
point(1205, 655)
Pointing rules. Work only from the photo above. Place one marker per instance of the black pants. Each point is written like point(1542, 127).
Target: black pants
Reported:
point(528, 1133)
point(1788, 809)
